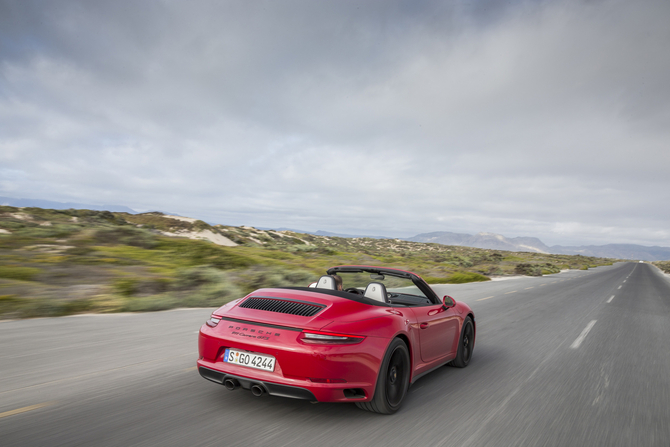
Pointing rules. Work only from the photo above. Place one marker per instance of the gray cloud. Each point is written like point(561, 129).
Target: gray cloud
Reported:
point(547, 119)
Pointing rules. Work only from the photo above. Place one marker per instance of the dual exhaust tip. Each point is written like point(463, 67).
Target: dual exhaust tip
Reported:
point(233, 384)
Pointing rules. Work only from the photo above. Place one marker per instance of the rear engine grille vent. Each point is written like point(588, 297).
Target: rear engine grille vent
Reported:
point(283, 306)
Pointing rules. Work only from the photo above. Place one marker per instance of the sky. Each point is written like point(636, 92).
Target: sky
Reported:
point(548, 119)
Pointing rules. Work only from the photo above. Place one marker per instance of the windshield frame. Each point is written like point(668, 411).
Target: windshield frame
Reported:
point(416, 279)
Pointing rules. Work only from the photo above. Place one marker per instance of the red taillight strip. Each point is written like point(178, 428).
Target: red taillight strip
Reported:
point(332, 334)
point(308, 336)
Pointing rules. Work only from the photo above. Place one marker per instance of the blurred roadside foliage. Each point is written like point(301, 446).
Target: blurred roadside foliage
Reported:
point(663, 265)
point(61, 262)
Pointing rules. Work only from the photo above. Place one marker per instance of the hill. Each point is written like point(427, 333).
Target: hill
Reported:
point(58, 262)
point(534, 245)
point(484, 240)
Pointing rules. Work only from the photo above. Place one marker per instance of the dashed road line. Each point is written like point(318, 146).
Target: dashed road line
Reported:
point(24, 409)
point(542, 285)
point(575, 344)
point(619, 287)
point(528, 288)
point(193, 368)
point(487, 298)
point(611, 298)
point(513, 291)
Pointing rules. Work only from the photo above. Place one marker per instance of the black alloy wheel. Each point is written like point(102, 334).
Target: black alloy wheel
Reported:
point(466, 344)
point(396, 377)
point(392, 382)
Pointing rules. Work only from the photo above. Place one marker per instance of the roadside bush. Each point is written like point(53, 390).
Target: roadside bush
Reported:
point(264, 276)
point(79, 251)
point(457, 278)
point(205, 286)
point(125, 286)
point(19, 273)
point(41, 232)
point(528, 270)
point(125, 235)
point(193, 253)
point(549, 269)
point(465, 277)
point(663, 265)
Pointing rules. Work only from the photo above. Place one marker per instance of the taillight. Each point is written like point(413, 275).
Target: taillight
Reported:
point(319, 337)
point(213, 321)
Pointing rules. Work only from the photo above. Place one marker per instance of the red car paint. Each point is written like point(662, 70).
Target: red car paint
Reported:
point(330, 371)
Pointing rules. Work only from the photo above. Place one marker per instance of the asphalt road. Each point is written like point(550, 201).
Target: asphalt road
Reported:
point(575, 359)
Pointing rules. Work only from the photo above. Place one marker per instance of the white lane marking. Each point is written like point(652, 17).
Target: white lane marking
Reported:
point(619, 287)
point(624, 280)
point(611, 298)
point(487, 298)
point(575, 344)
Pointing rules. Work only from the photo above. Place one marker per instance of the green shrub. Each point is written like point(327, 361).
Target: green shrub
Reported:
point(258, 277)
point(465, 277)
point(126, 235)
point(457, 278)
point(18, 273)
point(79, 251)
point(125, 286)
point(528, 270)
point(190, 252)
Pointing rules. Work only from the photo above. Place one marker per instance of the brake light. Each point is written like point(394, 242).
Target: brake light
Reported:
point(213, 321)
point(329, 338)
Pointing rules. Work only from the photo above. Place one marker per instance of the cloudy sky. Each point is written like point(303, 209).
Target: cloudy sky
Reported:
point(526, 118)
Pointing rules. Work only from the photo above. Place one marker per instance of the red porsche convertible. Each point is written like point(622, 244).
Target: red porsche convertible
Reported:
point(359, 334)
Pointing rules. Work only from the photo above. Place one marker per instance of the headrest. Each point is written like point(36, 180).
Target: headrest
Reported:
point(326, 282)
point(376, 291)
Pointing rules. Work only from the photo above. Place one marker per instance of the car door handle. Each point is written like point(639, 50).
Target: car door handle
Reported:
point(423, 325)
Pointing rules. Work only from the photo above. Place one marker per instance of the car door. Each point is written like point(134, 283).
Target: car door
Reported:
point(438, 330)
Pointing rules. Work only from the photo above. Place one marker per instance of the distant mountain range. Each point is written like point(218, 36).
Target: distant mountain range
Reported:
point(531, 244)
point(48, 204)
point(483, 240)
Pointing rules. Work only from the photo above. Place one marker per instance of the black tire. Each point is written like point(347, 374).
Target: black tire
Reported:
point(392, 382)
point(466, 344)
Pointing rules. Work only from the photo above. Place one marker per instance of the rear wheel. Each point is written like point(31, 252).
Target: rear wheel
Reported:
point(465, 345)
point(392, 382)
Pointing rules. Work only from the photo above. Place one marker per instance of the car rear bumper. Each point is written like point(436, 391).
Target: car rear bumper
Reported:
point(292, 388)
point(273, 389)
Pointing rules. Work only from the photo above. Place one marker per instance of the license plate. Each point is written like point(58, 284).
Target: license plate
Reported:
point(250, 359)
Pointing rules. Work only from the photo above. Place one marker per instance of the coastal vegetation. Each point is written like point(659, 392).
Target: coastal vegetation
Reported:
point(61, 262)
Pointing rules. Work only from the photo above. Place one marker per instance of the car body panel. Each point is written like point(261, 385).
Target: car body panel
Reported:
point(331, 372)
point(438, 331)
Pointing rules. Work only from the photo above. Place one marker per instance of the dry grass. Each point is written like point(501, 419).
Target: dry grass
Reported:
point(59, 262)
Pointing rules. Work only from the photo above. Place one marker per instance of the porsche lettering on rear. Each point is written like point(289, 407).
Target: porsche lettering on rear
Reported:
point(359, 334)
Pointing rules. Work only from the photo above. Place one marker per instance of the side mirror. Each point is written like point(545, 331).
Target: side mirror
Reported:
point(448, 302)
